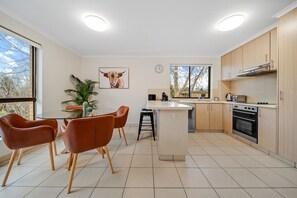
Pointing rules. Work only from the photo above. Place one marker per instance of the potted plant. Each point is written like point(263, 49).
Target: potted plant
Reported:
point(83, 92)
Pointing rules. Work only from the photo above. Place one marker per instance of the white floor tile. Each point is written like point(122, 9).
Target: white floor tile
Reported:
point(118, 179)
point(246, 161)
point(15, 191)
point(166, 177)
point(271, 178)
point(45, 192)
point(170, 193)
point(162, 163)
point(218, 178)
point(121, 161)
point(125, 150)
point(146, 150)
point(140, 177)
point(196, 150)
point(138, 192)
point(88, 177)
point(232, 193)
point(201, 193)
point(245, 178)
point(288, 173)
point(142, 161)
point(188, 163)
point(35, 177)
point(107, 193)
point(287, 192)
point(16, 173)
point(263, 193)
point(204, 161)
point(193, 177)
point(225, 161)
point(213, 150)
point(268, 161)
point(76, 193)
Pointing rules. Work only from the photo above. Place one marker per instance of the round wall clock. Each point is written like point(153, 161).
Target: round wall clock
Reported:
point(159, 68)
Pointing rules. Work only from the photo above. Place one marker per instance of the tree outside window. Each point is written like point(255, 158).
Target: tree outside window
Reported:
point(17, 76)
point(190, 81)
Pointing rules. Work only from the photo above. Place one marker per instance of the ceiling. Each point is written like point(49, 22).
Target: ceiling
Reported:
point(145, 27)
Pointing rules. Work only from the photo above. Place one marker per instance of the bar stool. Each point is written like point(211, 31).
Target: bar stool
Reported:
point(146, 123)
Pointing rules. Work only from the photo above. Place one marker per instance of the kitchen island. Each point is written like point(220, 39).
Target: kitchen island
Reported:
point(172, 129)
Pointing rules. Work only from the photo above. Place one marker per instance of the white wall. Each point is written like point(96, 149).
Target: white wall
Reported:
point(55, 65)
point(142, 78)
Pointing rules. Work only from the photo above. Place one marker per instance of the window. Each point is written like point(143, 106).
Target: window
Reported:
point(17, 76)
point(190, 81)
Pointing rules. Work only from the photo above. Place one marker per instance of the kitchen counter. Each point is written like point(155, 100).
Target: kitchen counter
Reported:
point(270, 106)
point(159, 105)
point(172, 129)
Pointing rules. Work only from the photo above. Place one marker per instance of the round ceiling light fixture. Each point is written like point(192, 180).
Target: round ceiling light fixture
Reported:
point(96, 23)
point(231, 22)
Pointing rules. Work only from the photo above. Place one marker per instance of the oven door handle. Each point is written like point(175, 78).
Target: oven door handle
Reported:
point(244, 112)
point(244, 118)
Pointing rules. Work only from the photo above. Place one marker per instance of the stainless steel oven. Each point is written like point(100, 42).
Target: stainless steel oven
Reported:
point(245, 122)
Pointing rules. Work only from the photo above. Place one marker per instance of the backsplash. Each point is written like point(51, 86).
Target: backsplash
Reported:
point(257, 89)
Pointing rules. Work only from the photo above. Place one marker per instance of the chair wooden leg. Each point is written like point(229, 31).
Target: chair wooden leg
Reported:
point(55, 147)
point(109, 161)
point(72, 172)
point(50, 148)
point(119, 132)
point(70, 160)
point(20, 156)
point(101, 151)
point(124, 136)
point(13, 155)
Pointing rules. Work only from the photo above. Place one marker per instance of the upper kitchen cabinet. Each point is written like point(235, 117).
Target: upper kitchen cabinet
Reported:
point(236, 62)
point(257, 52)
point(287, 72)
point(225, 67)
point(273, 50)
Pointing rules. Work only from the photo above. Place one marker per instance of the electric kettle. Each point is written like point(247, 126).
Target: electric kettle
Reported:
point(229, 97)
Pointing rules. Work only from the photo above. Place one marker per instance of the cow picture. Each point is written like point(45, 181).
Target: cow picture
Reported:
point(113, 78)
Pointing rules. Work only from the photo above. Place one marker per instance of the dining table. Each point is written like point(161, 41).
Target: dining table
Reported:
point(68, 115)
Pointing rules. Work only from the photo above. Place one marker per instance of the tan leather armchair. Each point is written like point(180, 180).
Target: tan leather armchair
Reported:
point(18, 133)
point(85, 134)
point(120, 119)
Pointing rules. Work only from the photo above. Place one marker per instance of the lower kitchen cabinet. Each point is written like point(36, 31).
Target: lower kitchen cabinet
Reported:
point(209, 117)
point(267, 131)
point(227, 118)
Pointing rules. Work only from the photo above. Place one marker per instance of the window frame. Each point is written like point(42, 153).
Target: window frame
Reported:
point(189, 91)
point(33, 99)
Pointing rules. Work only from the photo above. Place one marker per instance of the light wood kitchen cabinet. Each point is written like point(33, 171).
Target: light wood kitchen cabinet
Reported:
point(227, 118)
point(256, 52)
point(236, 62)
point(267, 131)
point(287, 71)
point(273, 50)
point(225, 67)
point(209, 117)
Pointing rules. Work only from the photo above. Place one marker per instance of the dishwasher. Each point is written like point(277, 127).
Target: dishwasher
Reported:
point(191, 117)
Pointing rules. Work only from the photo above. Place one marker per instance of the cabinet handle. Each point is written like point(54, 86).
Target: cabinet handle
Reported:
point(281, 95)
point(210, 107)
point(272, 63)
point(259, 113)
point(266, 58)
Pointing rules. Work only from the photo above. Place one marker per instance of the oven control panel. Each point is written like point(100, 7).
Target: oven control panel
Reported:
point(246, 108)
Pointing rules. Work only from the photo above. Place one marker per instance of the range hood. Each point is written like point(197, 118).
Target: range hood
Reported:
point(256, 71)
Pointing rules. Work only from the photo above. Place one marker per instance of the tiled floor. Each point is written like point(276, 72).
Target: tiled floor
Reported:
point(217, 166)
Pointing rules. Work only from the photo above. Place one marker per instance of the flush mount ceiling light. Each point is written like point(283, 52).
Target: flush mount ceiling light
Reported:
point(96, 23)
point(231, 22)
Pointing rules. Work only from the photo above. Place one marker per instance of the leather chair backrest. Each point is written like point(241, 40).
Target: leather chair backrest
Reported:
point(121, 116)
point(15, 120)
point(88, 133)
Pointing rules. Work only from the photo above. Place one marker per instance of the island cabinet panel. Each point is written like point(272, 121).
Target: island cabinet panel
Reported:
point(267, 132)
point(287, 72)
point(209, 117)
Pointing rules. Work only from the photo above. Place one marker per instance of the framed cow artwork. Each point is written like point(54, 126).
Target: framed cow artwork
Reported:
point(113, 78)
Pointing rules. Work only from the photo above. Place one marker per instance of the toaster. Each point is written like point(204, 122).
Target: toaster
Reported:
point(239, 98)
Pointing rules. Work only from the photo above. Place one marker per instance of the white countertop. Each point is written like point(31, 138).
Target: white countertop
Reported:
point(159, 105)
point(271, 106)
